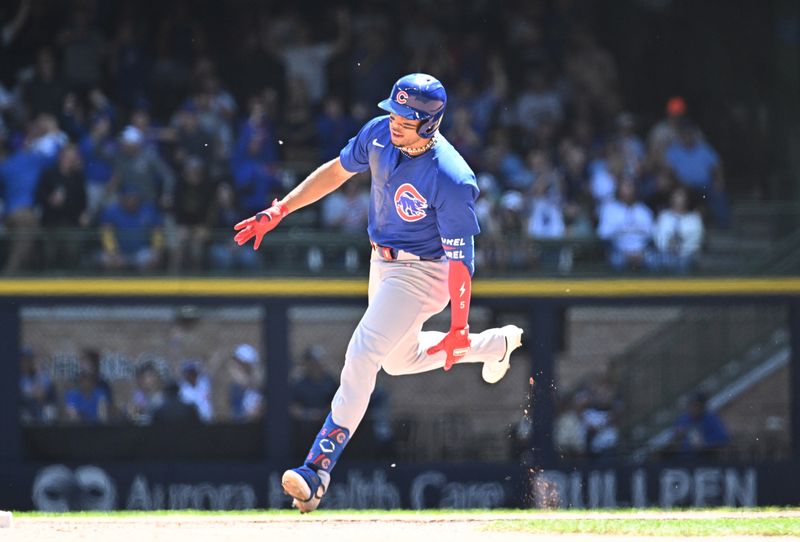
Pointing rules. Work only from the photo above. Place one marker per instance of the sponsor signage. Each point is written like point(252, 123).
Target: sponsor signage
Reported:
point(59, 488)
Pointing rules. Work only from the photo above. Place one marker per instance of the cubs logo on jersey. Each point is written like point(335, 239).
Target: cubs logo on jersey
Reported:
point(409, 203)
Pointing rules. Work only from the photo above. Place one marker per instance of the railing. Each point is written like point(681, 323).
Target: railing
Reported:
point(654, 372)
point(770, 245)
point(781, 259)
point(297, 250)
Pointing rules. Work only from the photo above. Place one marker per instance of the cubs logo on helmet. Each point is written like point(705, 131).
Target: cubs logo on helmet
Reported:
point(409, 203)
point(402, 97)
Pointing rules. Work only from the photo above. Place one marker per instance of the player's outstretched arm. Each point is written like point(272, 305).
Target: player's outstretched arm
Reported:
point(322, 181)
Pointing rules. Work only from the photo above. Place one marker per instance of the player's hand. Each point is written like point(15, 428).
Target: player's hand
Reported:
point(257, 226)
point(455, 344)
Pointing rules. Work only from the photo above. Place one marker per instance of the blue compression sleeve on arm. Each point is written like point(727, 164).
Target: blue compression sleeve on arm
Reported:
point(461, 249)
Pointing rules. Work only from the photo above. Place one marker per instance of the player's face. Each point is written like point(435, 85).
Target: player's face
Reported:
point(404, 132)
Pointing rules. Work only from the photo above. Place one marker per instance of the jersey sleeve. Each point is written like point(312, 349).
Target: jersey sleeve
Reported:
point(457, 221)
point(354, 157)
point(455, 209)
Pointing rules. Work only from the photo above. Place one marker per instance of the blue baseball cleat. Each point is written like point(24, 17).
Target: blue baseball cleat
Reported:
point(306, 487)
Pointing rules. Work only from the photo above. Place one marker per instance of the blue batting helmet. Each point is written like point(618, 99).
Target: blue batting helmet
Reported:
point(418, 96)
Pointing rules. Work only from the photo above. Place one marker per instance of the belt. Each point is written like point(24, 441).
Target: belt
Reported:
point(394, 254)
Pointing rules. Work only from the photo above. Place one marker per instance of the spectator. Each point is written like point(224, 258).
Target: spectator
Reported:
point(606, 174)
point(297, 124)
point(98, 151)
point(152, 134)
point(253, 179)
point(546, 220)
point(697, 166)
point(630, 145)
point(307, 60)
point(38, 402)
point(148, 394)
point(520, 435)
point(374, 61)
point(139, 167)
point(213, 119)
point(346, 210)
point(334, 128)
point(131, 233)
point(678, 234)
point(480, 100)
point(74, 117)
point(601, 430)
point(86, 402)
point(313, 392)
point(505, 164)
point(221, 101)
point(573, 162)
point(592, 74)
point(100, 104)
point(195, 389)
point(61, 198)
point(464, 137)
point(193, 211)
point(92, 359)
point(665, 132)
point(83, 49)
point(586, 427)
point(45, 92)
point(9, 30)
point(249, 68)
point(538, 103)
point(175, 409)
point(259, 124)
point(512, 254)
point(569, 431)
point(19, 175)
point(191, 139)
point(698, 432)
point(658, 190)
point(245, 398)
point(626, 224)
point(224, 253)
point(129, 62)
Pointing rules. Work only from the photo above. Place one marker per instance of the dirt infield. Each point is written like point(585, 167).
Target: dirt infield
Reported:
point(360, 528)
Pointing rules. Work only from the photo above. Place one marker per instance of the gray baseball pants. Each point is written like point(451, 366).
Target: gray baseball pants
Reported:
point(403, 295)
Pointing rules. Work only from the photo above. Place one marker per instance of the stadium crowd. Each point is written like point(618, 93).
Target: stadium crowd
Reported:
point(134, 142)
point(65, 390)
point(155, 391)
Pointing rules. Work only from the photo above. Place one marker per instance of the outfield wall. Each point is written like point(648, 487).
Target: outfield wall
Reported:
point(239, 486)
point(243, 474)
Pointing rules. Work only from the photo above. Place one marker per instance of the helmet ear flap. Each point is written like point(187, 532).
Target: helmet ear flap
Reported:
point(429, 127)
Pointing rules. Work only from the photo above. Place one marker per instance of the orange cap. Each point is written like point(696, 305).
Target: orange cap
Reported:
point(676, 106)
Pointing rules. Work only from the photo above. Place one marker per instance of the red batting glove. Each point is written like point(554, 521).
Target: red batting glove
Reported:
point(456, 344)
point(257, 226)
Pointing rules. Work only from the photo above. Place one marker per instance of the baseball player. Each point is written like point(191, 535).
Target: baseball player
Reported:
point(421, 226)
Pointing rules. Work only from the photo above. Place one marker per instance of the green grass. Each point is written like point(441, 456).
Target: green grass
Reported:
point(266, 514)
point(619, 522)
point(654, 527)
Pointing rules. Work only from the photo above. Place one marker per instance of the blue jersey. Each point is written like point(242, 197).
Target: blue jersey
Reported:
point(423, 205)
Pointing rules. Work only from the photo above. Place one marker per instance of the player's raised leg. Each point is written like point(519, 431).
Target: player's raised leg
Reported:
point(492, 347)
